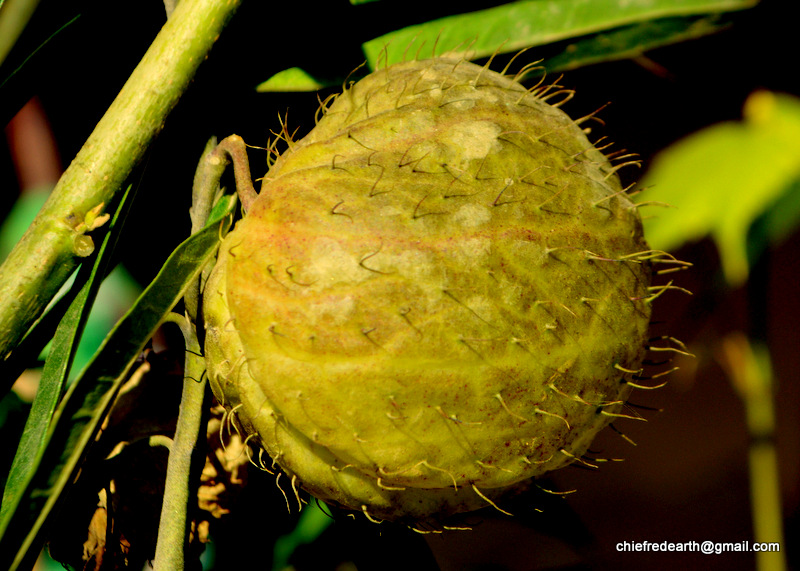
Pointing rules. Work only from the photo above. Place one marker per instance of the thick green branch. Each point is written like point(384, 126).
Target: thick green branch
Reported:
point(41, 262)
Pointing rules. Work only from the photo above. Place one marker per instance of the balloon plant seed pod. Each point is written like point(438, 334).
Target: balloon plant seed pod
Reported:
point(441, 292)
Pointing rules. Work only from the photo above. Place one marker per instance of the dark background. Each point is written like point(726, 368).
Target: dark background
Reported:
point(688, 478)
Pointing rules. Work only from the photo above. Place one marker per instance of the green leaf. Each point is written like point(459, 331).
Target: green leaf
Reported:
point(89, 398)
point(522, 24)
point(58, 364)
point(292, 79)
point(357, 2)
point(783, 217)
point(313, 521)
point(223, 208)
point(721, 179)
point(13, 19)
point(4, 80)
point(632, 41)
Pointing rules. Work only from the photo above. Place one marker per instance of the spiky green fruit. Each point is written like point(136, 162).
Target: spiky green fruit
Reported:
point(435, 297)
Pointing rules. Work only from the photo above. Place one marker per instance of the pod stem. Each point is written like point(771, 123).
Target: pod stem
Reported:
point(173, 524)
point(206, 191)
point(172, 528)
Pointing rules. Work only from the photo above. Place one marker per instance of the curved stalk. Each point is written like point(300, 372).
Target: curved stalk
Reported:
point(172, 527)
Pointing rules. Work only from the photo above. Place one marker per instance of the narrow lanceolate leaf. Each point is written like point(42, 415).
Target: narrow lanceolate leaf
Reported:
point(721, 179)
point(57, 367)
point(292, 79)
point(313, 521)
point(632, 41)
point(13, 20)
point(89, 398)
point(517, 25)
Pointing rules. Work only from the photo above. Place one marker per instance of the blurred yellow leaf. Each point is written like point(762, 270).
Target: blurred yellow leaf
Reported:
point(720, 179)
